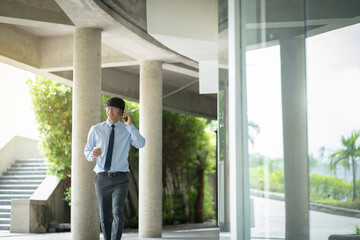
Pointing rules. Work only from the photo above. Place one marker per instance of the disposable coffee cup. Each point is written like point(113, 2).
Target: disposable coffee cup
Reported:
point(98, 150)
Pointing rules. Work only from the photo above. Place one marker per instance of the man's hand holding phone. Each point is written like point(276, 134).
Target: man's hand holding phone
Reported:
point(126, 119)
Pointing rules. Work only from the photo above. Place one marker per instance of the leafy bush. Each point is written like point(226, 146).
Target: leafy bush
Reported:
point(52, 103)
point(323, 189)
point(68, 196)
point(188, 158)
point(276, 179)
point(357, 229)
point(132, 222)
point(328, 186)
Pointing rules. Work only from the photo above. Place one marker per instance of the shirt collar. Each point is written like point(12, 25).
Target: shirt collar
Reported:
point(109, 123)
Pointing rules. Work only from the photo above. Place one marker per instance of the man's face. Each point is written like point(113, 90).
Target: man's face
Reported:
point(113, 113)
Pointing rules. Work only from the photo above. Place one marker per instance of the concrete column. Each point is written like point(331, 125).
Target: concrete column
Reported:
point(85, 222)
point(150, 166)
point(237, 129)
point(293, 91)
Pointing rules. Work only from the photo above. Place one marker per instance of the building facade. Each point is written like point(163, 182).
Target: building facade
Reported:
point(190, 57)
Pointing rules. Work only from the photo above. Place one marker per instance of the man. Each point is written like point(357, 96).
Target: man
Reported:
point(109, 144)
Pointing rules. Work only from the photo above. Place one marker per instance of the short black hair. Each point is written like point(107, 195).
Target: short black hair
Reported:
point(116, 102)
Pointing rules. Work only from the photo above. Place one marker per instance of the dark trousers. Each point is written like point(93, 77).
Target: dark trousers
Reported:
point(111, 195)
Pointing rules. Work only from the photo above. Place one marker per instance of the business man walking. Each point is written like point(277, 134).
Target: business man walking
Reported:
point(109, 144)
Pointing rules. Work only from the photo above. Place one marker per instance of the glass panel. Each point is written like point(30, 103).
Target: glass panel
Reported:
point(223, 168)
point(333, 74)
point(273, 38)
point(296, 115)
point(265, 142)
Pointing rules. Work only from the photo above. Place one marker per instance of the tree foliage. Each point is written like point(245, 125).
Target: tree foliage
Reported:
point(52, 103)
point(188, 158)
point(348, 156)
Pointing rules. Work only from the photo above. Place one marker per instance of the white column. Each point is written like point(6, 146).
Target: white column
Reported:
point(150, 166)
point(293, 91)
point(85, 222)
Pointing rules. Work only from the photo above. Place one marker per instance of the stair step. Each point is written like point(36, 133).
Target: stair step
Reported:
point(22, 177)
point(28, 165)
point(19, 187)
point(5, 227)
point(15, 191)
point(19, 181)
point(14, 196)
point(5, 209)
point(30, 161)
point(27, 169)
point(12, 173)
point(4, 215)
point(5, 202)
point(4, 221)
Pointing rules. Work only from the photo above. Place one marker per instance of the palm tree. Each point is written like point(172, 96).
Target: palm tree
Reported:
point(347, 156)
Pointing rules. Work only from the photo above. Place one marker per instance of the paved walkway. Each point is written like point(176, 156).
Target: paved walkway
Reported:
point(269, 224)
point(206, 231)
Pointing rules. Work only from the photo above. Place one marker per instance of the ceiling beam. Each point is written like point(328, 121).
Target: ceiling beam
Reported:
point(181, 70)
point(126, 85)
point(57, 55)
point(19, 46)
point(32, 13)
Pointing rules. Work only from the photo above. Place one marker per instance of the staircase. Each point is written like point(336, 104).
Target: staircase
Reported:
point(19, 182)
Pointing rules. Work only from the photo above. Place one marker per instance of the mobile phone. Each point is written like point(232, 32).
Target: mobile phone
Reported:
point(125, 118)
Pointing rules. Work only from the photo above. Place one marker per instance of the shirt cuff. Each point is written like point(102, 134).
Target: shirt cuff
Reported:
point(130, 128)
point(88, 157)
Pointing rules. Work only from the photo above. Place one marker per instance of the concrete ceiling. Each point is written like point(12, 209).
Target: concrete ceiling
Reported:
point(38, 36)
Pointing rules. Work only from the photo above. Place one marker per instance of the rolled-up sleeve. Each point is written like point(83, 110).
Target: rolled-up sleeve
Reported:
point(90, 144)
point(137, 140)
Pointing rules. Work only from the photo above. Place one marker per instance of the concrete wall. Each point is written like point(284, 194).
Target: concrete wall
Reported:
point(18, 148)
point(45, 206)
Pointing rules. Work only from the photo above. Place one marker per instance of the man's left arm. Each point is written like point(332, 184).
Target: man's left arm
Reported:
point(137, 140)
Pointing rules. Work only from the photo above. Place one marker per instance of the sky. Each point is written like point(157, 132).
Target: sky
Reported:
point(333, 87)
point(333, 92)
point(17, 116)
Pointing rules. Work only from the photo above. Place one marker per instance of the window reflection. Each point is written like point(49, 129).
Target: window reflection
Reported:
point(301, 64)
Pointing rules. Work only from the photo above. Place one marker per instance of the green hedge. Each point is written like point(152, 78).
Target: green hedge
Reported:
point(276, 183)
point(321, 187)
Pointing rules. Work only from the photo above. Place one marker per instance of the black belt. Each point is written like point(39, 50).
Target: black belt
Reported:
point(111, 174)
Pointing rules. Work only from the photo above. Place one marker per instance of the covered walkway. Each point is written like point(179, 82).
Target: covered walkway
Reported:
point(142, 51)
point(269, 224)
point(204, 231)
point(103, 47)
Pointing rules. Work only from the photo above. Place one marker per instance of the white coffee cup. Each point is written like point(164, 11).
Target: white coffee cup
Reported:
point(97, 150)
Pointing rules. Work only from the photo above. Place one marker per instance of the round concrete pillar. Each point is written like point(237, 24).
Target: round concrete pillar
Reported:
point(86, 111)
point(294, 112)
point(150, 165)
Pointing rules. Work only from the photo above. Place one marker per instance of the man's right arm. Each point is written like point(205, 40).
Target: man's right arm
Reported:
point(91, 142)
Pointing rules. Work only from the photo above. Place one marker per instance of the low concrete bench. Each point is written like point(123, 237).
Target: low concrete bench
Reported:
point(59, 227)
point(45, 205)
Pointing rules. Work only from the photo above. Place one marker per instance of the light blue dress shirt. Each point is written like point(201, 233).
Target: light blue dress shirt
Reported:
point(124, 135)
